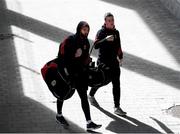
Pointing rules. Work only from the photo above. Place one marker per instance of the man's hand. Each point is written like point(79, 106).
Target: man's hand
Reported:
point(120, 61)
point(110, 38)
point(88, 61)
point(78, 53)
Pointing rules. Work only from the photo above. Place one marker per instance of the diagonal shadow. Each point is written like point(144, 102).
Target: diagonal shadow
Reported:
point(31, 70)
point(42, 119)
point(152, 70)
point(162, 125)
point(19, 113)
point(162, 23)
point(133, 63)
point(37, 27)
point(119, 125)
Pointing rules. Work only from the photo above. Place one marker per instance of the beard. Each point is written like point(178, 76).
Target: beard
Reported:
point(84, 35)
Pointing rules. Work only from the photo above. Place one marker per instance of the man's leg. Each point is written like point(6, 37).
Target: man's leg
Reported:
point(59, 106)
point(86, 109)
point(84, 103)
point(117, 91)
point(91, 97)
point(93, 91)
point(59, 117)
point(116, 86)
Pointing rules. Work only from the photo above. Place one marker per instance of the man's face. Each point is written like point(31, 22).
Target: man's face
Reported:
point(109, 22)
point(85, 31)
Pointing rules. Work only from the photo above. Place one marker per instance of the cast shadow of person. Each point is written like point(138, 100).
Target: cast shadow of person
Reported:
point(127, 124)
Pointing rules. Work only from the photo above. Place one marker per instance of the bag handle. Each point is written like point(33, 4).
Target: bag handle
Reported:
point(100, 41)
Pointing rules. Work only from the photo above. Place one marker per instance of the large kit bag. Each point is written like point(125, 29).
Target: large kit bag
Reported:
point(99, 76)
point(57, 81)
point(59, 85)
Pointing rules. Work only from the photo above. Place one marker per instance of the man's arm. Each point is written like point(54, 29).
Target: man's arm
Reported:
point(67, 53)
point(120, 53)
point(100, 39)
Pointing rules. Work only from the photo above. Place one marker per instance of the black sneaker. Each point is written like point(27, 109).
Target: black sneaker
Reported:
point(61, 120)
point(91, 126)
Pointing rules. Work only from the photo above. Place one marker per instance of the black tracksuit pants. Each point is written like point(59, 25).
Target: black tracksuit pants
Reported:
point(115, 76)
point(82, 86)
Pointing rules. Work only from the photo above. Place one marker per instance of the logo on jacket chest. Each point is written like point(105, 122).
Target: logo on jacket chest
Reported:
point(85, 47)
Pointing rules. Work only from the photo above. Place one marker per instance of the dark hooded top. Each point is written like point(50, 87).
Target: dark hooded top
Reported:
point(108, 51)
point(68, 49)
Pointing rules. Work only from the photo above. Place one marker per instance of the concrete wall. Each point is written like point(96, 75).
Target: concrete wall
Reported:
point(173, 6)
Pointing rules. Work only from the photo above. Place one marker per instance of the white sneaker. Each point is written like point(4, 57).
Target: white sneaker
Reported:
point(119, 111)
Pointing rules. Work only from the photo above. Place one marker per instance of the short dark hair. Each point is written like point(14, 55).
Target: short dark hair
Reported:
point(108, 14)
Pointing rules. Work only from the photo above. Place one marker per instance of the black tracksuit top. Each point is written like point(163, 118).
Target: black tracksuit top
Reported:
point(108, 50)
point(67, 52)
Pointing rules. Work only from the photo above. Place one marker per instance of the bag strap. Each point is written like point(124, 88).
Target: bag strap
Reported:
point(100, 41)
point(90, 52)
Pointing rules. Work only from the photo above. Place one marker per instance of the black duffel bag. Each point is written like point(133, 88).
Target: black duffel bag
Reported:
point(59, 84)
point(99, 76)
point(57, 81)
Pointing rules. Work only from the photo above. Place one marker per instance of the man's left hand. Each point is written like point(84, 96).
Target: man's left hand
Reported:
point(78, 53)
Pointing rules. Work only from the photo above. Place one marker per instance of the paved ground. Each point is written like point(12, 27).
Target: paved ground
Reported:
point(150, 75)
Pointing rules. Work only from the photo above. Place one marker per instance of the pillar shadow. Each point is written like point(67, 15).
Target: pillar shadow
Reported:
point(22, 114)
point(162, 125)
point(19, 113)
point(152, 70)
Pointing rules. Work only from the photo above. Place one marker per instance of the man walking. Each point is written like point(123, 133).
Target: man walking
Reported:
point(110, 53)
point(74, 58)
